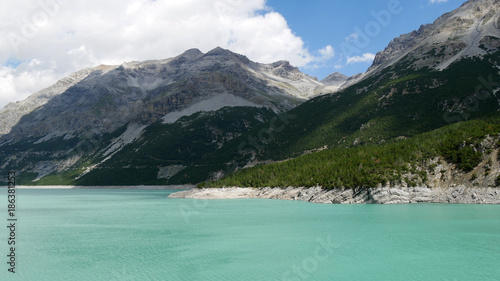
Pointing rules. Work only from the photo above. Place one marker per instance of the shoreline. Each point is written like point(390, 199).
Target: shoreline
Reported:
point(131, 187)
point(378, 195)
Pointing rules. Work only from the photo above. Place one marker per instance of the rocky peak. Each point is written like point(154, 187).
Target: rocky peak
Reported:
point(192, 54)
point(470, 30)
point(284, 65)
point(335, 79)
point(13, 112)
point(222, 55)
point(285, 69)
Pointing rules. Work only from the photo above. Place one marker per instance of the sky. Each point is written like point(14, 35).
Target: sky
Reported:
point(47, 40)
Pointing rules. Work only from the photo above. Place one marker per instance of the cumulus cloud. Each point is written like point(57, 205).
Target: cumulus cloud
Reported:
point(367, 57)
point(322, 57)
point(65, 36)
point(25, 79)
point(327, 52)
point(437, 1)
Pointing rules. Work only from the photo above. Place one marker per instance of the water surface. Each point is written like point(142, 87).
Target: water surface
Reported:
point(142, 235)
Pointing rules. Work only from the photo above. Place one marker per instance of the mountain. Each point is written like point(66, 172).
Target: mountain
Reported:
point(12, 112)
point(98, 111)
point(101, 99)
point(406, 91)
point(471, 30)
point(335, 79)
point(429, 100)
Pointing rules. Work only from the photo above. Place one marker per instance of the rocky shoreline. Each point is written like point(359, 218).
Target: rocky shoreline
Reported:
point(139, 187)
point(378, 195)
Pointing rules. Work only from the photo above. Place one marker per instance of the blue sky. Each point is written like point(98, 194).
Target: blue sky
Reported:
point(47, 40)
point(329, 22)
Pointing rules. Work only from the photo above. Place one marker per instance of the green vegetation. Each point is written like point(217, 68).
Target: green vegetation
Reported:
point(473, 177)
point(193, 141)
point(66, 178)
point(487, 169)
point(123, 176)
point(371, 165)
point(25, 178)
point(381, 130)
point(399, 102)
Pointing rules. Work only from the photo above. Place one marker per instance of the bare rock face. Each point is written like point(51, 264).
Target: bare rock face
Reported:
point(335, 79)
point(98, 100)
point(12, 112)
point(471, 30)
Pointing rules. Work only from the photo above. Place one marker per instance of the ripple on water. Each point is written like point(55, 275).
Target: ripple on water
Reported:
point(142, 235)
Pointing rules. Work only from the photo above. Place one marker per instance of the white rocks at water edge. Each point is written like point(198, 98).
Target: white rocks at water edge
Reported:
point(379, 195)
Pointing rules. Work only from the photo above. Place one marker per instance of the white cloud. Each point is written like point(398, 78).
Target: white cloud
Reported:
point(25, 79)
point(351, 38)
point(437, 1)
point(320, 61)
point(327, 52)
point(367, 57)
point(65, 36)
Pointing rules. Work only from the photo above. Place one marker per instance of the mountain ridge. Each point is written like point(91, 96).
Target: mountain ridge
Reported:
point(419, 100)
point(454, 35)
point(197, 117)
point(128, 84)
point(84, 120)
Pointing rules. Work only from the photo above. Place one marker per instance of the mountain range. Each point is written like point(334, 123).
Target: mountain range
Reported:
point(199, 117)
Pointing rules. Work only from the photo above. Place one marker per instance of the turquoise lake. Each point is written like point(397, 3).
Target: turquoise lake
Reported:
point(81, 234)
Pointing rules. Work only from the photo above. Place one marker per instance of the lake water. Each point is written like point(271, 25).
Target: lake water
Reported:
point(142, 235)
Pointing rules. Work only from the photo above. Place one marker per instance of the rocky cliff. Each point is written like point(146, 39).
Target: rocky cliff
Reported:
point(471, 30)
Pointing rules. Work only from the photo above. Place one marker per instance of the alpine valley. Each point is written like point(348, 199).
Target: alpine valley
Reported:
point(426, 113)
